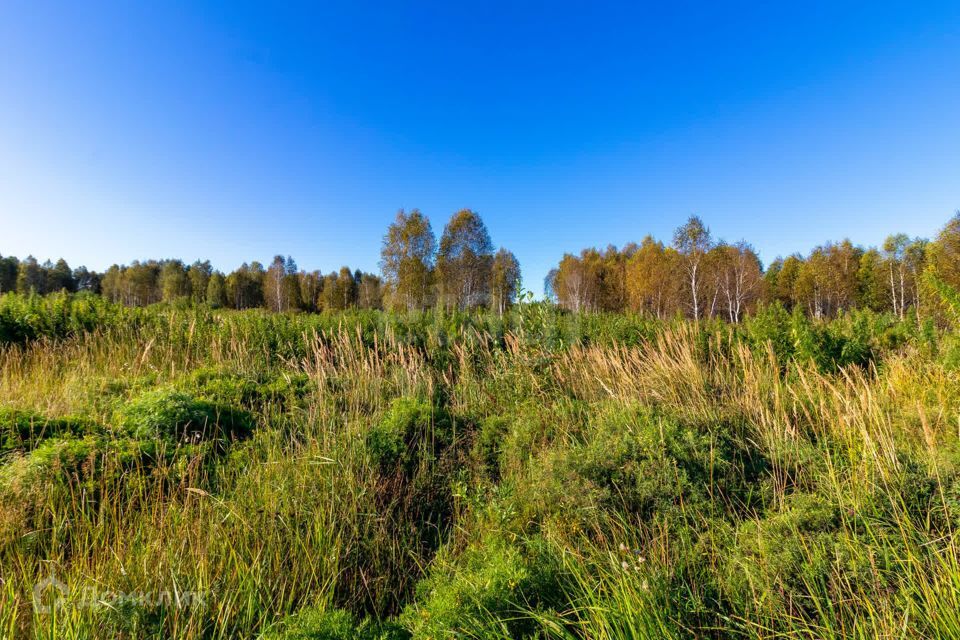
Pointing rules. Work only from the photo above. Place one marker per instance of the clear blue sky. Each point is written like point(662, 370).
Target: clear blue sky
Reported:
point(235, 130)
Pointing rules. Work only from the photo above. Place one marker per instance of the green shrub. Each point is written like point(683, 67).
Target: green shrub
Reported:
point(23, 430)
point(332, 624)
point(410, 430)
point(79, 474)
point(177, 416)
point(65, 455)
point(771, 325)
point(59, 315)
point(251, 391)
point(412, 488)
point(641, 464)
point(487, 591)
point(80, 458)
point(488, 444)
point(854, 338)
point(536, 425)
point(796, 562)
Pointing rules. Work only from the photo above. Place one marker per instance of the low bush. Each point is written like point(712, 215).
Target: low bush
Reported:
point(180, 417)
point(411, 452)
point(852, 339)
point(254, 392)
point(23, 430)
point(793, 562)
point(28, 317)
point(409, 432)
point(643, 464)
point(490, 590)
point(332, 624)
point(488, 444)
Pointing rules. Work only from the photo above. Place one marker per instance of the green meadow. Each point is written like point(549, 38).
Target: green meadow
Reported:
point(180, 472)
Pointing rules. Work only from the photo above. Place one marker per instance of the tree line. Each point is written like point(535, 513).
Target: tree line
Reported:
point(698, 277)
point(462, 271)
point(693, 276)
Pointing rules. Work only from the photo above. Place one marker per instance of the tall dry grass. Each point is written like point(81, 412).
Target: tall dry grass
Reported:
point(300, 515)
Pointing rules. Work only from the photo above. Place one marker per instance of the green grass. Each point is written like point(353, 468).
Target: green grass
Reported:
point(364, 475)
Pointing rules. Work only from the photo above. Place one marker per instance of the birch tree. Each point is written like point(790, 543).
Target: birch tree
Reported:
point(692, 241)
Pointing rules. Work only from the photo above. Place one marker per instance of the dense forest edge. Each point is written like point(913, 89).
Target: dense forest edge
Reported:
point(694, 276)
point(449, 463)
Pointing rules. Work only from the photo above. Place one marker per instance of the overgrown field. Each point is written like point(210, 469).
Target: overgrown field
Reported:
point(243, 474)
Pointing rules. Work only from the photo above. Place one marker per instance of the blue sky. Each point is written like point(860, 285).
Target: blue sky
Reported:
point(234, 131)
